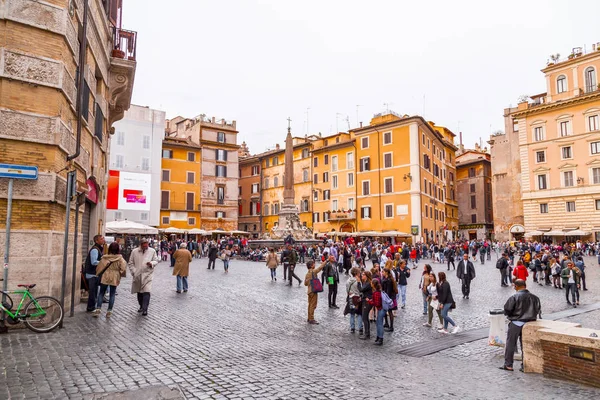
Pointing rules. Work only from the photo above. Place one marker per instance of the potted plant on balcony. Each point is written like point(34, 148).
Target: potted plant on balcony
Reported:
point(118, 53)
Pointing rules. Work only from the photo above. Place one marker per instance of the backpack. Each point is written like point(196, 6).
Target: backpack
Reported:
point(386, 302)
point(499, 263)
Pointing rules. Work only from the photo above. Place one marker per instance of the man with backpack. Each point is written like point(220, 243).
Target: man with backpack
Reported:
point(502, 264)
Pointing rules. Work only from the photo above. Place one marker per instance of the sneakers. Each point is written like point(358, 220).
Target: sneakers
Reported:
point(96, 313)
point(456, 329)
point(442, 330)
point(108, 314)
point(313, 322)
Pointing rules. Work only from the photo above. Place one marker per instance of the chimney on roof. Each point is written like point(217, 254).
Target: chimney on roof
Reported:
point(361, 124)
point(212, 120)
point(277, 146)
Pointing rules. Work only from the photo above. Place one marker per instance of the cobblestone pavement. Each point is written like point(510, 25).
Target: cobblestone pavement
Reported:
point(239, 335)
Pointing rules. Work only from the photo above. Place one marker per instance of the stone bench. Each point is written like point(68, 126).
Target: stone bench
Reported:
point(562, 350)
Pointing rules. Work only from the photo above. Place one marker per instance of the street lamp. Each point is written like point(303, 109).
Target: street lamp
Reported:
point(409, 176)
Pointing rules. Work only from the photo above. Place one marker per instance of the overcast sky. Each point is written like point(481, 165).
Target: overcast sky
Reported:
point(458, 63)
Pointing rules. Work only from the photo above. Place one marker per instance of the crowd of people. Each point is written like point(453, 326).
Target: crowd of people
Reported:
point(377, 274)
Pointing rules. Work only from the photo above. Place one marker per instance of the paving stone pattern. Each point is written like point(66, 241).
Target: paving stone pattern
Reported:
point(239, 335)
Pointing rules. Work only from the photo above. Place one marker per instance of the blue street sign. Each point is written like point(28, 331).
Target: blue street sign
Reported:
point(18, 171)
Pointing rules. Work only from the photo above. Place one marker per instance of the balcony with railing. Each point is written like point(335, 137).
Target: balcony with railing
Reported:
point(124, 44)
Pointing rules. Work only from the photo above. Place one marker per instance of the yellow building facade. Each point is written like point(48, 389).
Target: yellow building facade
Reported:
point(403, 179)
point(180, 184)
point(559, 143)
point(334, 184)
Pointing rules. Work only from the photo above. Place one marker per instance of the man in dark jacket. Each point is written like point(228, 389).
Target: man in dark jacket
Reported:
point(292, 259)
point(502, 265)
point(91, 262)
point(466, 273)
point(212, 255)
point(520, 308)
point(331, 277)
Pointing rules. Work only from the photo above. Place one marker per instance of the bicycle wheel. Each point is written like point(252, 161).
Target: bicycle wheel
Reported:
point(45, 316)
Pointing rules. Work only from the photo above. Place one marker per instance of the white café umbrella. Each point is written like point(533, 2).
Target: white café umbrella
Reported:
point(556, 232)
point(130, 228)
point(174, 230)
point(577, 232)
point(196, 231)
point(395, 234)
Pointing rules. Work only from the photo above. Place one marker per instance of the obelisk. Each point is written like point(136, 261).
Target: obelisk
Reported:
point(288, 179)
point(288, 214)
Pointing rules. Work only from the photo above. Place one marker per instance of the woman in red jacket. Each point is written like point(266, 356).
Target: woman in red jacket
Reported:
point(520, 271)
point(378, 304)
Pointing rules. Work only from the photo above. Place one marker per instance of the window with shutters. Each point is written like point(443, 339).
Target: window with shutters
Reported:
point(189, 201)
point(221, 171)
point(221, 155)
point(334, 164)
point(570, 206)
point(365, 164)
point(387, 160)
point(326, 159)
point(220, 214)
point(315, 217)
point(145, 164)
point(387, 138)
point(167, 154)
point(350, 181)
point(146, 142)
point(388, 184)
point(325, 216)
point(366, 188)
point(275, 181)
point(350, 160)
point(220, 194)
point(255, 170)
point(191, 156)
point(165, 220)
point(315, 195)
point(364, 143)
point(266, 183)
point(325, 177)
point(164, 199)
point(99, 125)
point(472, 188)
point(365, 212)
point(568, 178)
point(166, 175)
point(592, 124)
point(542, 182)
point(85, 107)
point(473, 218)
point(120, 161)
point(471, 172)
point(275, 161)
point(255, 188)
point(544, 208)
point(596, 176)
point(191, 177)
point(304, 153)
point(334, 205)
point(334, 181)
point(326, 194)
point(473, 202)
point(315, 178)
point(389, 211)
point(221, 137)
point(566, 152)
point(315, 162)
point(305, 175)
point(540, 156)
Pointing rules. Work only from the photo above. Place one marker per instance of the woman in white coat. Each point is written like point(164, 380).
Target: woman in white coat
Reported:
point(142, 261)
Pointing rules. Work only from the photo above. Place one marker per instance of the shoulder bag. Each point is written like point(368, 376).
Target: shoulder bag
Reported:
point(315, 284)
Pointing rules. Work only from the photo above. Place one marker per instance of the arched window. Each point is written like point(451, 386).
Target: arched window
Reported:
point(561, 84)
point(590, 80)
point(276, 181)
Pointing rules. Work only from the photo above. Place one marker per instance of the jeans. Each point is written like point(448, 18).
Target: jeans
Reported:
point(181, 279)
point(366, 309)
point(380, 315)
point(446, 317)
point(425, 295)
point(226, 264)
point(482, 258)
point(273, 273)
point(354, 314)
point(402, 290)
point(111, 297)
point(286, 267)
point(572, 287)
point(172, 261)
point(93, 287)
point(503, 276)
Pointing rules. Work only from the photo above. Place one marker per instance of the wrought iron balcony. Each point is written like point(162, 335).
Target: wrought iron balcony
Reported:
point(124, 44)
